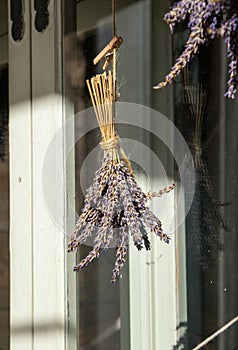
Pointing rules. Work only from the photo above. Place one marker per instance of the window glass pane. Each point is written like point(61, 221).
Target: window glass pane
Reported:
point(208, 122)
point(104, 319)
point(201, 270)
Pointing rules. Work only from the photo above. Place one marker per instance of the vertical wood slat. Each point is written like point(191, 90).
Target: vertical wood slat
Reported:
point(48, 239)
point(20, 140)
point(152, 275)
point(38, 288)
point(153, 291)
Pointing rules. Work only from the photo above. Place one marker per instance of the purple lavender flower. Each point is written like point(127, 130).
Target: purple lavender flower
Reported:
point(115, 208)
point(207, 19)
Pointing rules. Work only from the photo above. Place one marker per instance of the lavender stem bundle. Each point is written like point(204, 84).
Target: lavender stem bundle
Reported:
point(114, 206)
point(207, 19)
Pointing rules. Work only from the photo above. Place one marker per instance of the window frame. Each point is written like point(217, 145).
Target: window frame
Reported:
point(43, 287)
point(37, 246)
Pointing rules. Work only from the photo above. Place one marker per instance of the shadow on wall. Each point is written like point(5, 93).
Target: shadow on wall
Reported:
point(187, 338)
point(182, 342)
point(39, 328)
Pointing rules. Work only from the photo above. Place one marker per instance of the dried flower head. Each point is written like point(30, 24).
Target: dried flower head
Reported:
point(207, 19)
point(114, 208)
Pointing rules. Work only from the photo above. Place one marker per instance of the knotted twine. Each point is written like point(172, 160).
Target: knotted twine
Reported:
point(113, 145)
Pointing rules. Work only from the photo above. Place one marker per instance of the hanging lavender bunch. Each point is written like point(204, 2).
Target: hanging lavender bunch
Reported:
point(115, 207)
point(207, 19)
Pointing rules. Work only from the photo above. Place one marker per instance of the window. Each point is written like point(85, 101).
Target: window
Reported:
point(195, 284)
point(127, 315)
point(210, 224)
point(171, 297)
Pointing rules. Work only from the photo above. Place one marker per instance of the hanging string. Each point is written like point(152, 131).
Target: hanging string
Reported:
point(114, 63)
point(114, 51)
point(103, 92)
point(113, 17)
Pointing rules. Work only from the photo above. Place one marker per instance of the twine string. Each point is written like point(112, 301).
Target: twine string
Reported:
point(113, 17)
point(109, 144)
point(113, 143)
point(213, 336)
point(103, 92)
point(126, 160)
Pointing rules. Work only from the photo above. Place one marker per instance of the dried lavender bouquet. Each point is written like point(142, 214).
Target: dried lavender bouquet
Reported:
point(207, 19)
point(114, 206)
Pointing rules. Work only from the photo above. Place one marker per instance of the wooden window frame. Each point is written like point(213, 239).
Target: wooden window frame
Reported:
point(43, 291)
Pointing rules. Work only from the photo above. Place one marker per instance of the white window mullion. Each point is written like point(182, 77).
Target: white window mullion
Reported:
point(72, 295)
point(20, 144)
point(38, 219)
point(49, 285)
point(152, 290)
